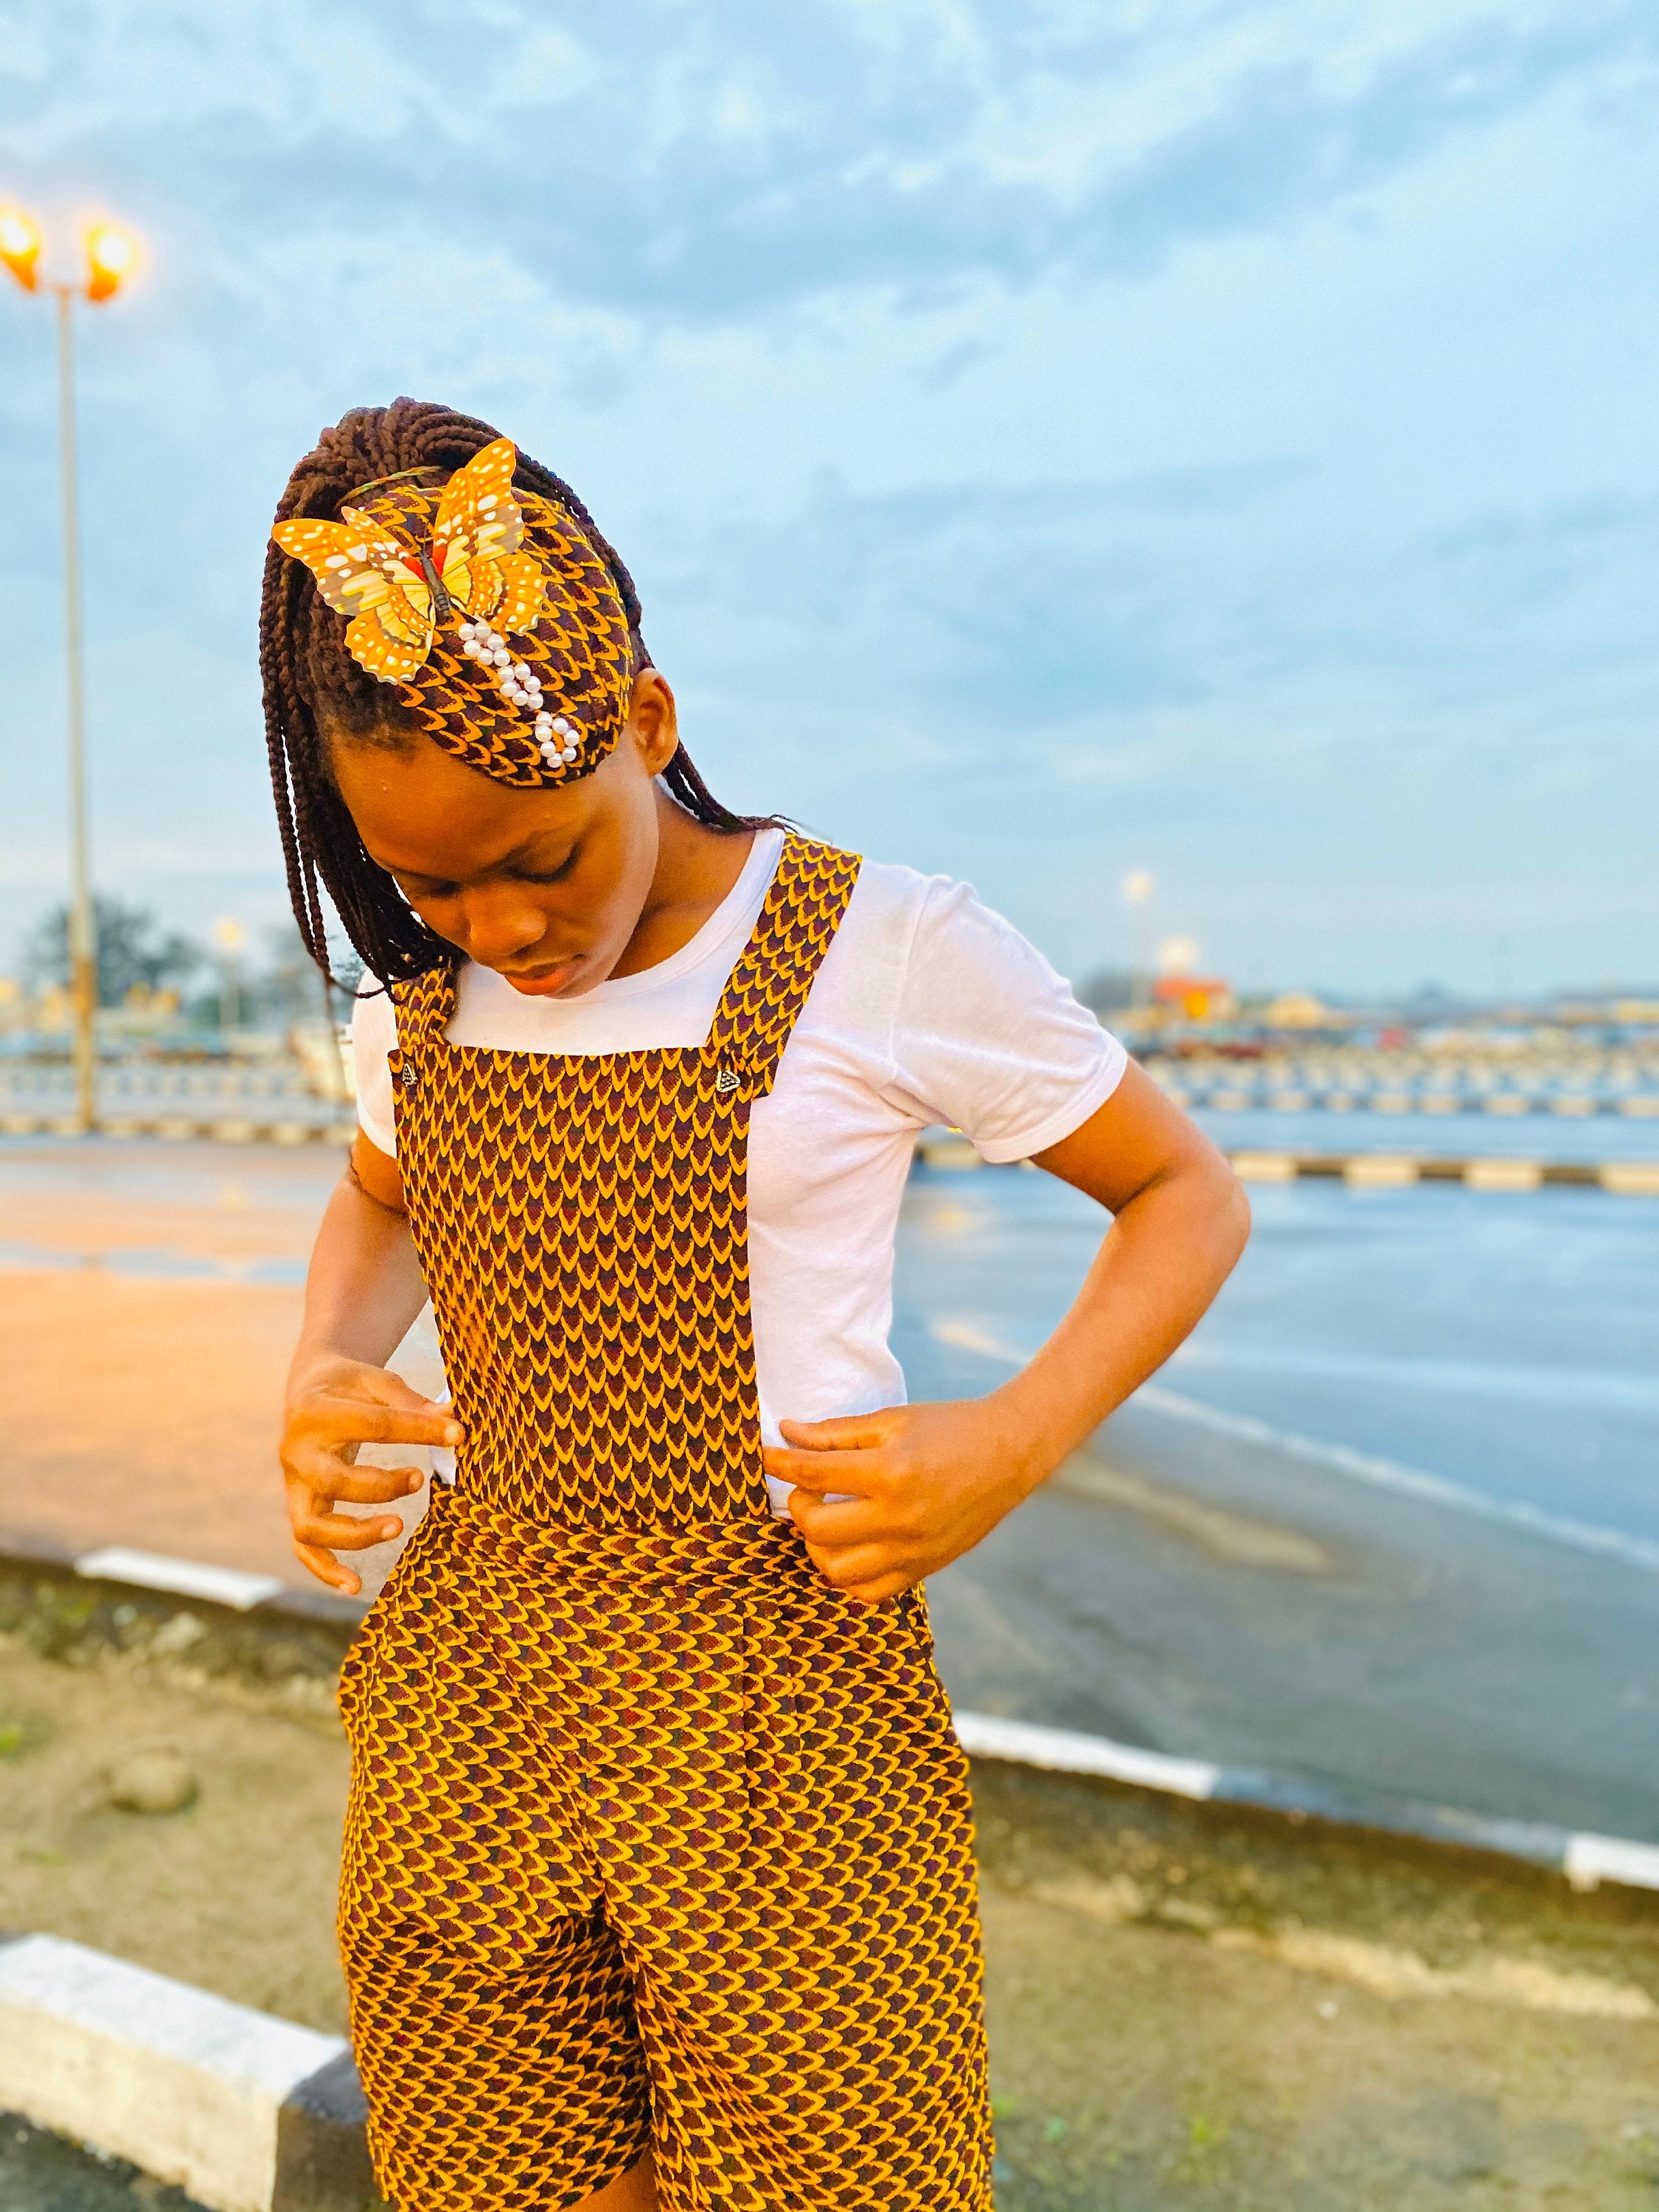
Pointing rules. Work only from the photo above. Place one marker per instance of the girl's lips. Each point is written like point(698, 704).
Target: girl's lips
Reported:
point(541, 982)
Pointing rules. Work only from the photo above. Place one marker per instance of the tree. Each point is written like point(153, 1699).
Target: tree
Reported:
point(131, 950)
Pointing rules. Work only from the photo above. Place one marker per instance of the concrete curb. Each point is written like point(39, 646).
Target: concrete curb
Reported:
point(224, 1127)
point(1381, 1170)
point(244, 2112)
point(1399, 1171)
point(127, 1582)
point(1587, 1860)
point(249, 2113)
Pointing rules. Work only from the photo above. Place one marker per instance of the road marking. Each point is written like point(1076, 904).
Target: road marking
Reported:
point(1640, 1552)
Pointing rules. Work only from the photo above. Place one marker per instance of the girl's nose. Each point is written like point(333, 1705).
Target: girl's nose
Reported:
point(502, 927)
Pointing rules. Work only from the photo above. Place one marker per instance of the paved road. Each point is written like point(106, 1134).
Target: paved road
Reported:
point(1391, 1522)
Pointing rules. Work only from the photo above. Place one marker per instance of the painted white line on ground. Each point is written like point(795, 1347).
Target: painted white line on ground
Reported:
point(1639, 1552)
point(983, 1736)
point(184, 1577)
point(189, 2086)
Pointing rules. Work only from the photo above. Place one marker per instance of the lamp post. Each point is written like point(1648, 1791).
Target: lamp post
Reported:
point(112, 255)
point(1138, 888)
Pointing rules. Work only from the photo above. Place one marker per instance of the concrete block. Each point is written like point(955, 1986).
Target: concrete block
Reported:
point(244, 2112)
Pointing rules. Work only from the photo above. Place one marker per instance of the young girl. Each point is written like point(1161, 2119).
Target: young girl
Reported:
point(658, 1885)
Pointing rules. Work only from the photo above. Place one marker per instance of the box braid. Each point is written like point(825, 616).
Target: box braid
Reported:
point(309, 677)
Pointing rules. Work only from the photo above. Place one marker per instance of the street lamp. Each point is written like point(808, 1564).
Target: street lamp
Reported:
point(112, 256)
point(230, 936)
point(1138, 888)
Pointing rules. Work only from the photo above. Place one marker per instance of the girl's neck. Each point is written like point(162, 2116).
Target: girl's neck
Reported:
point(697, 868)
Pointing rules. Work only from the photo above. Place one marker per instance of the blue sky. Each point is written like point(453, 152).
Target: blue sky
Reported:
point(1214, 436)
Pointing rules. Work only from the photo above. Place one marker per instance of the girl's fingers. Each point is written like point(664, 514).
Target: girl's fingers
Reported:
point(368, 1485)
point(860, 1471)
point(356, 1420)
point(847, 1432)
point(854, 1569)
point(851, 1520)
point(342, 1532)
point(326, 1473)
point(329, 1570)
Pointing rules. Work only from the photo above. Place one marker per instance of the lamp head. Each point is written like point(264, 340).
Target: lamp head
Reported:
point(112, 256)
point(19, 246)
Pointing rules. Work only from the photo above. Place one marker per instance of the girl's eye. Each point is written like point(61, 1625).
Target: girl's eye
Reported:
point(550, 875)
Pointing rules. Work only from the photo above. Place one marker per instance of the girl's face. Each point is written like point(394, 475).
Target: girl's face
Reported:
point(546, 887)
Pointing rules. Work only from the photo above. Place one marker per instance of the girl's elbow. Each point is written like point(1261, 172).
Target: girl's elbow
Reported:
point(1233, 1216)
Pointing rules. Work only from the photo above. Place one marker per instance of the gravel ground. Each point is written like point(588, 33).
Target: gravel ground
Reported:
point(1189, 2007)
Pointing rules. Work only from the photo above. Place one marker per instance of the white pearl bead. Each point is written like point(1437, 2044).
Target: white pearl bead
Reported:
point(569, 755)
point(501, 656)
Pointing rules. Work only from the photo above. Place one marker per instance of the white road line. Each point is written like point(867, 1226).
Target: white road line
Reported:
point(1639, 1552)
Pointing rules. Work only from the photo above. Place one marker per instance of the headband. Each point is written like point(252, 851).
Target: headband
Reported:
point(487, 607)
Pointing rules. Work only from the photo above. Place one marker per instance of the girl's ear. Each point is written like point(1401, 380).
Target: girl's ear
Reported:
point(654, 721)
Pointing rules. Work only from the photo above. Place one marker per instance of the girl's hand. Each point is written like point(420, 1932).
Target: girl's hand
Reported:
point(925, 1484)
point(334, 1404)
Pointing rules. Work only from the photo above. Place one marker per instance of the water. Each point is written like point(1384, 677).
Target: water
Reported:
point(1440, 1408)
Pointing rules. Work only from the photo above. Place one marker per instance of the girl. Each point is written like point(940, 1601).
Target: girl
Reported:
point(657, 1886)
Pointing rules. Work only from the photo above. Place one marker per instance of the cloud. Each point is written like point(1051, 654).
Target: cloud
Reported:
point(689, 165)
point(1049, 433)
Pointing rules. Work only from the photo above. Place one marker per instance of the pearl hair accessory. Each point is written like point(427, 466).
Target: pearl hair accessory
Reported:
point(558, 740)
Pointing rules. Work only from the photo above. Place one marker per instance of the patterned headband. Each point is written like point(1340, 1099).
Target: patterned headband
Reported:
point(436, 578)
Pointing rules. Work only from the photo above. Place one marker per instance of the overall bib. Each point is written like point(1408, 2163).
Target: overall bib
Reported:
point(653, 1834)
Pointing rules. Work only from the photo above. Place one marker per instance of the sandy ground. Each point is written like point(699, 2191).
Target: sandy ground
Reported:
point(1187, 2009)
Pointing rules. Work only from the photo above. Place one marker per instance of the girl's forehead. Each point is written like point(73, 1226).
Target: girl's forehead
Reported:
point(420, 812)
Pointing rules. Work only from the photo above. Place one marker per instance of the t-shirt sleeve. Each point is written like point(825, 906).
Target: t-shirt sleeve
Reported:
point(988, 1038)
point(373, 1035)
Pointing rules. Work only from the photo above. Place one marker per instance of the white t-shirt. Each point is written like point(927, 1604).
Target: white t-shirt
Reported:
point(927, 1008)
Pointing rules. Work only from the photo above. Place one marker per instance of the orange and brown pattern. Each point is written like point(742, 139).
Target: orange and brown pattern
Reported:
point(653, 1833)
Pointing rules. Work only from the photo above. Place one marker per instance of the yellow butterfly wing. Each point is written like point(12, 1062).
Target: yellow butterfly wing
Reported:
point(476, 531)
point(363, 573)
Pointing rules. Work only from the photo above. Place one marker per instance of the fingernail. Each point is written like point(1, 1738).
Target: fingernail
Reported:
point(414, 1482)
point(453, 1433)
point(392, 1528)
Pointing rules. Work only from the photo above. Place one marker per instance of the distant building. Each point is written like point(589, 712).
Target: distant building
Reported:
point(1196, 997)
point(1296, 1010)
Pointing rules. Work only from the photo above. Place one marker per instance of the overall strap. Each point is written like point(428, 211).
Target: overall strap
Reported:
point(768, 987)
point(423, 1005)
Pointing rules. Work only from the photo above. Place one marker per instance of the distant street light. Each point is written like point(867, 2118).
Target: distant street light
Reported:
point(230, 936)
point(112, 257)
point(1138, 888)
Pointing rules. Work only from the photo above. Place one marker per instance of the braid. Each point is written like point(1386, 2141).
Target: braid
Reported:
point(305, 667)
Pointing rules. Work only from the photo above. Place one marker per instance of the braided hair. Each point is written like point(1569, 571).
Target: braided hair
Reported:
point(310, 677)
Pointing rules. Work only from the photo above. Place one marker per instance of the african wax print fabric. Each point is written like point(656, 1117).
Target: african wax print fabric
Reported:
point(653, 1835)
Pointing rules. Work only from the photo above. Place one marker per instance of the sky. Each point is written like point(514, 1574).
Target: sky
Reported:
point(1210, 436)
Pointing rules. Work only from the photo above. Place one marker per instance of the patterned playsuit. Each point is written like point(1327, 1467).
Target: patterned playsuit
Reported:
point(653, 1834)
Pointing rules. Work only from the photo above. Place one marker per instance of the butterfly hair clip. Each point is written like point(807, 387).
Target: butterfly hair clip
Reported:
point(399, 593)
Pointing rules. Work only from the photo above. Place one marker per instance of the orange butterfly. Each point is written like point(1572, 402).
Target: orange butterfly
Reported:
point(397, 594)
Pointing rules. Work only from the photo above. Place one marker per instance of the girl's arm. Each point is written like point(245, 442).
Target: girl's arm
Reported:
point(928, 1481)
point(362, 1293)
